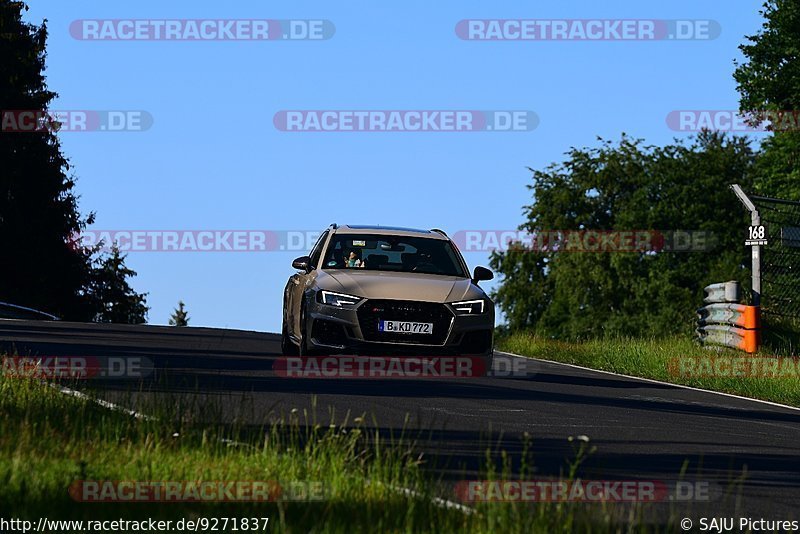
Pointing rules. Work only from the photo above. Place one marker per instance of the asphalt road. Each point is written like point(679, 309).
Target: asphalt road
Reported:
point(642, 430)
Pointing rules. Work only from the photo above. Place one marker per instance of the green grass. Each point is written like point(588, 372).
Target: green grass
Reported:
point(656, 359)
point(48, 440)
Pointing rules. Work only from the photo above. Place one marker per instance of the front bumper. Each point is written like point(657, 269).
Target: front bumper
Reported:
point(334, 330)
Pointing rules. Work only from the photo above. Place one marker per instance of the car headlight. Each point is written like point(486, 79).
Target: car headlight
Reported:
point(468, 307)
point(337, 299)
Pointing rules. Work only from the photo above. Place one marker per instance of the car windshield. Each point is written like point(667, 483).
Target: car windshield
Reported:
point(407, 254)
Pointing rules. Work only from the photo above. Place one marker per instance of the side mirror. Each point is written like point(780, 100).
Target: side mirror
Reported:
point(303, 263)
point(481, 273)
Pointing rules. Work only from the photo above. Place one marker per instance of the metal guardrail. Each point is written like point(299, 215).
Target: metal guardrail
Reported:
point(12, 311)
point(729, 313)
point(724, 292)
point(723, 321)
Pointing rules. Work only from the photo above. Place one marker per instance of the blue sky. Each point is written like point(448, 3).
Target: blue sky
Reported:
point(213, 159)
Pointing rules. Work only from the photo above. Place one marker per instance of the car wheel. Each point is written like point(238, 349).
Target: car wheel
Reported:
point(489, 362)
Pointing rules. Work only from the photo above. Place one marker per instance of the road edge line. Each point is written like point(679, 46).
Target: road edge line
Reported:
point(440, 502)
point(654, 381)
point(104, 403)
point(437, 501)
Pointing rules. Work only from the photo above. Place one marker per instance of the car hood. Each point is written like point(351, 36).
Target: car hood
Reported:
point(399, 286)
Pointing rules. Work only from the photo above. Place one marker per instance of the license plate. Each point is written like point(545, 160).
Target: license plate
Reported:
point(405, 327)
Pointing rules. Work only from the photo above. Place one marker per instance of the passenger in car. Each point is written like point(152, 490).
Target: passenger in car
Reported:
point(354, 260)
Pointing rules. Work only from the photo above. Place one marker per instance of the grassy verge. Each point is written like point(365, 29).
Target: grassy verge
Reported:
point(676, 360)
point(49, 440)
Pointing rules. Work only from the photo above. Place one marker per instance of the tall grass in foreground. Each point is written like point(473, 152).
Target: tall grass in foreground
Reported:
point(48, 440)
point(659, 359)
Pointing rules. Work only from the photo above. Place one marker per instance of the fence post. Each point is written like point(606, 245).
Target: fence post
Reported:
point(755, 220)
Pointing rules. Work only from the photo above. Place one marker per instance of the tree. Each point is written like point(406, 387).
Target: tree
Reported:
point(110, 296)
point(38, 206)
point(777, 168)
point(770, 78)
point(180, 317)
point(42, 265)
point(630, 186)
point(627, 186)
point(769, 81)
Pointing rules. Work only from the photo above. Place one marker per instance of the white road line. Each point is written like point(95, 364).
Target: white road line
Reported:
point(437, 501)
point(105, 404)
point(652, 381)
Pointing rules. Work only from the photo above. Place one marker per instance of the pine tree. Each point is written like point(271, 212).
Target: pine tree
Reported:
point(38, 207)
point(110, 296)
point(42, 266)
point(180, 317)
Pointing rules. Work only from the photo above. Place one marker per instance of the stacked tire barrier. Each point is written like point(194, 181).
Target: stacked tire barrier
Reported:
point(725, 321)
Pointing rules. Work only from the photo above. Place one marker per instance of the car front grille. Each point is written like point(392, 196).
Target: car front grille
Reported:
point(373, 311)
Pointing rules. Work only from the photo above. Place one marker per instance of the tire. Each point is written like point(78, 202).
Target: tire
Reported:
point(490, 362)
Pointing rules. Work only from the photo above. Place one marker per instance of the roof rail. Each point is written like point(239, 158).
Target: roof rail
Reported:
point(440, 231)
point(334, 226)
